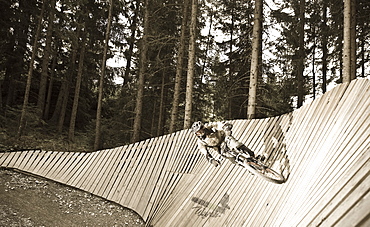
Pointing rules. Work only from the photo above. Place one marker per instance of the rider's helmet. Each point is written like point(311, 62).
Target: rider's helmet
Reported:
point(197, 126)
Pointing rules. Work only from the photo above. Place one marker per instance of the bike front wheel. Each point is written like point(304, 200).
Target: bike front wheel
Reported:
point(264, 172)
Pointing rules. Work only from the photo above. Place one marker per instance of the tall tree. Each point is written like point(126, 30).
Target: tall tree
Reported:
point(97, 144)
point(324, 58)
point(349, 50)
point(131, 41)
point(72, 123)
point(66, 86)
point(179, 68)
point(30, 71)
point(301, 54)
point(256, 62)
point(45, 61)
point(142, 72)
point(191, 65)
point(353, 39)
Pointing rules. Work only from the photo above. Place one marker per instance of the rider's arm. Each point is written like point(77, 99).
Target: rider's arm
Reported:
point(202, 148)
point(208, 156)
point(223, 126)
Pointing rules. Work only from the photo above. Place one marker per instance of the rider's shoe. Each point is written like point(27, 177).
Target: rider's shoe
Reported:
point(215, 162)
point(246, 150)
point(261, 158)
point(237, 158)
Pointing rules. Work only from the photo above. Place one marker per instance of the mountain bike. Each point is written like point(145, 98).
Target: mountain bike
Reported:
point(253, 165)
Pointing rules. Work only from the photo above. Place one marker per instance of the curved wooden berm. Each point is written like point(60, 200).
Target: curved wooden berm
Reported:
point(322, 149)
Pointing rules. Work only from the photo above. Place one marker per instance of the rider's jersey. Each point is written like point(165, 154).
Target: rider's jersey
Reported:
point(213, 139)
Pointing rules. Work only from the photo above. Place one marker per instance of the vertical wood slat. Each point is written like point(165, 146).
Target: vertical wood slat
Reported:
point(160, 178)
point(297, 140)
point(95, 181)
point(115, 178)
point(109, 171)
point(126, 160)
point(32, 159)
point(336, 163)
point(319, 158)
point(157, 189)
point(341, 189)
point(77, 161)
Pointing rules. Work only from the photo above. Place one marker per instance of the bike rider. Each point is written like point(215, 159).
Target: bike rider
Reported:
point(214, 135)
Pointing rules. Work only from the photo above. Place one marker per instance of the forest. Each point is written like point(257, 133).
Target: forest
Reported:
point(95, 74)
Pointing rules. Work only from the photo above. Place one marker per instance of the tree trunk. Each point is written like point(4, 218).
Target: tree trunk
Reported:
point(324, 46)
point(72, 123)
point(256, 61)
point(141, 81)
point(66, 88)
point(346, 41)
point(131, 44)
point(179, 69)
point(45, 61)
point(29, 76)
point(97, 144)
point(191, 65)
point(50, 89)
point(313, 64)
point(300, 67)
point(231, 68)
point(353, 39)
point(161, 118)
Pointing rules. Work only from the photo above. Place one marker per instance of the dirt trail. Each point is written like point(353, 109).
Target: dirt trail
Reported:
point(32, 201)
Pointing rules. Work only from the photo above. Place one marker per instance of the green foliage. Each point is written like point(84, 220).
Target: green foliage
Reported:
point(222, 64)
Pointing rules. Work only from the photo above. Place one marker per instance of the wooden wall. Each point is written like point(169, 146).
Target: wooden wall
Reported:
point(322, 149)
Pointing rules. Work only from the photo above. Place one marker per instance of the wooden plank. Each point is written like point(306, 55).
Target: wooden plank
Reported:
point(126, 160)
point(154, 186)
point(160, 177)
point(303, 190)
point(30, 159)
point(45, 165)
point(359, 196)
point(97, 171)
point(168, 186)
point(61, 166)
point(209, 192)
point(11, 159)
point(3, 157)
point(333, 162)
point(180, 203)
point(132, 173)
point(132, 188)
point(130, 168)
point(338, 191)
point(123, 154)
point(108, 171)
point(79, 160)
point(357, 214)
point(92, 172)
point(164, 188)
point(49, 167)
point(144, 187)
point(69, 167)
point(22, 159)
point(80, 173)
point(224, 190)
point(39, 159)
point(296, 137)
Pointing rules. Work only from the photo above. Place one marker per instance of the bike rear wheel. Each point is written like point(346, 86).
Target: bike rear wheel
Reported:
point(264, 172)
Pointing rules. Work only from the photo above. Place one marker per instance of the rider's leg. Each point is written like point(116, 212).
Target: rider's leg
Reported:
point(235, 144)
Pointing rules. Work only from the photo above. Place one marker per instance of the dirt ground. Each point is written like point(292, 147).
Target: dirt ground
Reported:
point(27, 200)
